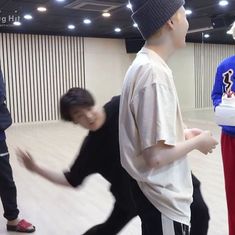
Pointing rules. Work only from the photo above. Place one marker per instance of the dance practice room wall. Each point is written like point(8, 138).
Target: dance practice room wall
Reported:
point(39, 68)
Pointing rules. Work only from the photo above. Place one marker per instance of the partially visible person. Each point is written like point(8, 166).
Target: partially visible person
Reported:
point(224, 84)
point(100, 154)
point(151, 132)
point(7, 185)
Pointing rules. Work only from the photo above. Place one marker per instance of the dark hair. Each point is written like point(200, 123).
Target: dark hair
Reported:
point(75, 97)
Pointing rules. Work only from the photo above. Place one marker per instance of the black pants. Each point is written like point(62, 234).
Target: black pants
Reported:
point(7, 185)
point(199, 211)
point(120, 217)
point(113, 225)
point(153, 222)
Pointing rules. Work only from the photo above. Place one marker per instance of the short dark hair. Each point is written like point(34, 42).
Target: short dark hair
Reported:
point(75, 97)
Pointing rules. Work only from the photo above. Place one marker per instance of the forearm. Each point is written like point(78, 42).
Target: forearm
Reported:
point(161, 154)
point(54, 177)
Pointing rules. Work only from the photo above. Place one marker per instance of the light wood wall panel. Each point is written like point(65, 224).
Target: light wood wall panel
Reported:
point(38, 69)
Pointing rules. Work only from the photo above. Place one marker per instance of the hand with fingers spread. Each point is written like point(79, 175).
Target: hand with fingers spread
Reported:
point(26, 159)
point(206, 142)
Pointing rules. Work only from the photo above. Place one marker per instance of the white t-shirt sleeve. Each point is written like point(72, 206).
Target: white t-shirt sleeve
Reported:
point(154, 109)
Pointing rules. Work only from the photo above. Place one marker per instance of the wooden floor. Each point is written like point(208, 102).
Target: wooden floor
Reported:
point(61, 211)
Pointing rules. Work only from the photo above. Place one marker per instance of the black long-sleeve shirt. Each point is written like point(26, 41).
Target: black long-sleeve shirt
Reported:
point(100, 154)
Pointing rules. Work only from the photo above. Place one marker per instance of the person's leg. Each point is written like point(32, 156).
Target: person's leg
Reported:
point(8, 194)
point(7, 185)
point(227, 148)
point(152, 221)
point(199, 211)
point(118, 218)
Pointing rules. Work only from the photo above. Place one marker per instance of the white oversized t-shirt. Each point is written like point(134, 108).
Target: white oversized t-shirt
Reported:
point(149, 112)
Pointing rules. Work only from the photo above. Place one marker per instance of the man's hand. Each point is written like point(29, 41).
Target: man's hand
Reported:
point(206, 142)
point(26, 159)
point(191, 133)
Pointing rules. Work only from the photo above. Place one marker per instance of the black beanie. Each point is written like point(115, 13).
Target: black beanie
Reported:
point(151, 15)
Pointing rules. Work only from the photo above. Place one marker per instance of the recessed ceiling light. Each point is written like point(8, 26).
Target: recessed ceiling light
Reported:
point(106, 14)
point(223, 3)
point(188, 12)
point(135, 25)
point(129, 6)
point(87, 21)
point(16, 23)
point(28, 17)
point(117, 30)
point(42, 9)
point(206, 35)
point(71, 26)
point(60, 0)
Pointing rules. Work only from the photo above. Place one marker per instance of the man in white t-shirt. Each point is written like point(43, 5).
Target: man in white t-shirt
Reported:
point(153, 143)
